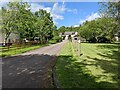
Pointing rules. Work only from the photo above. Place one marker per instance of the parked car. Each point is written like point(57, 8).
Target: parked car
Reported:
point(2, 44)
point(5, 44)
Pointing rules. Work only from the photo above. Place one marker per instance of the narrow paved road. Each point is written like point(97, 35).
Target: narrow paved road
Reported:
point(31, 69)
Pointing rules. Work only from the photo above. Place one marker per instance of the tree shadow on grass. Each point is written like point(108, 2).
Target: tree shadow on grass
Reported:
point(110, 61)
point(108, 67)
point(27, 71)
point(114, 55)
point(114, 48)
point(73, 74)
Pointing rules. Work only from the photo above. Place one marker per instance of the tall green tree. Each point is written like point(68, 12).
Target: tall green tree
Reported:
point(99, 28)
point(8, 22)
point(16, 18)
point(111, 10)
point(62, 29)
point(44, 25)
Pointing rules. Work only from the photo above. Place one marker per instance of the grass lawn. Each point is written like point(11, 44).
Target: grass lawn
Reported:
point(96, 68)
point(4, 52)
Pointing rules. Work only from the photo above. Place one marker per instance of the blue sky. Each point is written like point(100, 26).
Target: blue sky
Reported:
point(83, 12)
point(68, 13)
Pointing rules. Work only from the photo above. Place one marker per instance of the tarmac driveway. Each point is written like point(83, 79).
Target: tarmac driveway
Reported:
point(32, 69)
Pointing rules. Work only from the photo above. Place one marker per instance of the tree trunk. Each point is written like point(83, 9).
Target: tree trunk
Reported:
point(6, 40)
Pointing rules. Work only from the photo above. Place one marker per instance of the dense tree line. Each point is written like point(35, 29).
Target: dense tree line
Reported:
point(99, 30)
point(105, 28)
point(67, 29)
point(17, 18)
point(112, 10)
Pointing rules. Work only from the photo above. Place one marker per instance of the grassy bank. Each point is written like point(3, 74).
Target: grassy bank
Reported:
point(96, 68)
point(17, 50)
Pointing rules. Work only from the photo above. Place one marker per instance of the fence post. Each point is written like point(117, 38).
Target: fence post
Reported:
point(79, 47)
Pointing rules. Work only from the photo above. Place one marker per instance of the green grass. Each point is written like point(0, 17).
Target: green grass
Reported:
point(17, 50)
point(96, 68)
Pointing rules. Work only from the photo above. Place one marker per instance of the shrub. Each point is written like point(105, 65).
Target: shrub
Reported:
point(92, 40)
point(103, 40)
point(57, 38)
point(52, 41)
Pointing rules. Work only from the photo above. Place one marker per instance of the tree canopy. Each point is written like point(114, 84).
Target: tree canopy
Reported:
point(17, 18)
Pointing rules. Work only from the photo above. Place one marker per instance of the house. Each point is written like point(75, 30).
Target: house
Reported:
point(67, 35)
point(12, 38)
point(117, 36)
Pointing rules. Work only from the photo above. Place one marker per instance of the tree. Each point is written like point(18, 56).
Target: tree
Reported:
point(95, 30)
point(55, 31)
point(111, 10)
point(24, 20)
point(62, 29)
point(8, 17)
point(44, 25)
point(18, 18)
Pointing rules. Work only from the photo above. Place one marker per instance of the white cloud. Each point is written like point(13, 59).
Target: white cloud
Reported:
point(61, 9)
point(93, 16)
point(72, 10)
point(36, 7)
point(90, 17)
point(53, 10)
point(3, 4)
point(57, 10)
point(76, 26)
point(56, 23)
point(63, 2)
point(57, 16)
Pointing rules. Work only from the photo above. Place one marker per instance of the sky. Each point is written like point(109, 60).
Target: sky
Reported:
point(68, 13)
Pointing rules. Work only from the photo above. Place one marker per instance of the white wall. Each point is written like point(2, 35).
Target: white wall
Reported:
point(1, 38)
point(12, 37)
point(66, 37)
point(117, 39)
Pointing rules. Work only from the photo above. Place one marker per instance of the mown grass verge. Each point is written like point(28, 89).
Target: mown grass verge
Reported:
point(96, 68)
point(18, 50)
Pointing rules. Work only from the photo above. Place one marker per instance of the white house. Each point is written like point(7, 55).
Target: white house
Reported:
point(12, 38)
point(117, 36)
point(66, 35)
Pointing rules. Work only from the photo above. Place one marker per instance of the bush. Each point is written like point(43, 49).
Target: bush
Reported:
point(57, 38)
point(92, 40)
point(103, 40)
point(52, 41)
